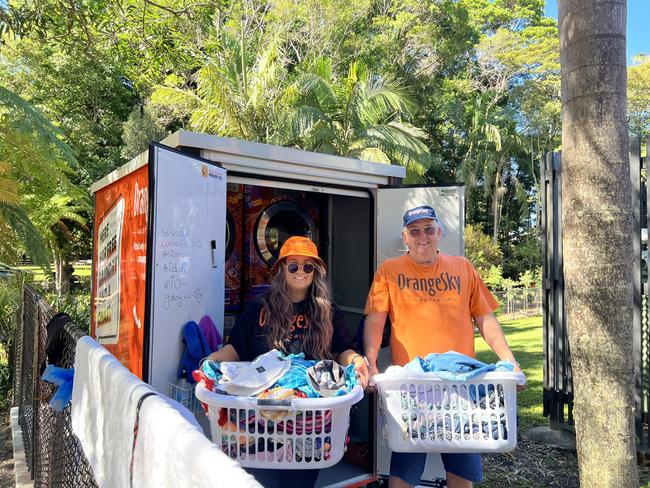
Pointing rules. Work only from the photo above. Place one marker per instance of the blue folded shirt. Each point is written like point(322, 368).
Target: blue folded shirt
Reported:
point(454, 366)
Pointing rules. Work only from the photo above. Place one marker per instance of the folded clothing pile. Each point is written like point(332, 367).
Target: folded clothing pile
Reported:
point(450, 365)
point(307, 378)
point(276, 377)
point(431, 420)
point(426, 412)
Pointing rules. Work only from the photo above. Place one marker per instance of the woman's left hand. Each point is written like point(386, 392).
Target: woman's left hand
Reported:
point(361, 367)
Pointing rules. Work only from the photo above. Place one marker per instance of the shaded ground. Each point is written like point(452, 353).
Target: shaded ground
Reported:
point(6, 452)
point(531, 465)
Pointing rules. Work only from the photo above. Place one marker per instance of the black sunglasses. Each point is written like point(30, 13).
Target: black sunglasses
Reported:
point(294, 267)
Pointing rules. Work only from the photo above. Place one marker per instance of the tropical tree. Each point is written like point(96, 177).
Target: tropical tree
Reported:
point(638, 95)
point(38, 196)
point(597, 249)
point(236, 94)
point(27, 139)
point(363, 116)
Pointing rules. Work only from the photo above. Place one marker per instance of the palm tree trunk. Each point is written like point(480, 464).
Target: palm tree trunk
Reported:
point(597, 226)
point(495, 206)
point(63, 274)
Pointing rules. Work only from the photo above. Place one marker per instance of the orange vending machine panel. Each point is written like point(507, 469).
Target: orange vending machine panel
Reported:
point(120, 267)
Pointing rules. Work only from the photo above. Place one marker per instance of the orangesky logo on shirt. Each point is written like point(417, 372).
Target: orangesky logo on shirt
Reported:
point(298, 323)
point(432, 286)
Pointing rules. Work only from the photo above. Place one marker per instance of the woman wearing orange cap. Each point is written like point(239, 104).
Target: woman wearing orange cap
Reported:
point(295, 315)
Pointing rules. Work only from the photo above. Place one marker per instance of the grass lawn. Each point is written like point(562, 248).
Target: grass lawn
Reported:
point(525, 339)
point(39, 275)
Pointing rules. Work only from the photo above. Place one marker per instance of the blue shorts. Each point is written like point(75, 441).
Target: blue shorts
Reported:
point(409, 466)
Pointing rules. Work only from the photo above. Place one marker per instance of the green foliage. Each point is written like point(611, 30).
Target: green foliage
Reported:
point(10, 299)
point(456, 90)
point(85, 96)
point(76, 304)
point(236, 93)
point(531, 278)
point(28, 143)
point(142, 127)
point(638, 95)
point(483, 253)
point(360, 116)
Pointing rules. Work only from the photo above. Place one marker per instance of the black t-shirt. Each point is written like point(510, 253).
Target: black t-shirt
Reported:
point(248, 336)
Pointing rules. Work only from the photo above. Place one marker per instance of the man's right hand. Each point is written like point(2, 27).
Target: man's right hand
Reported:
point(372, 370)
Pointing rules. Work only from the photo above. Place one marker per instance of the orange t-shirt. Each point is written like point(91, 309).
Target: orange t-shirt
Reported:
point(430, 307)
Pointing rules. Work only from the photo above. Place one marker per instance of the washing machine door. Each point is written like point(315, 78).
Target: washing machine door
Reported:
point(279, 222)
point(231, 235)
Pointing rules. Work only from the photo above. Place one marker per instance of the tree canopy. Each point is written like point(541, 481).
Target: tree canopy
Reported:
point(455, 90)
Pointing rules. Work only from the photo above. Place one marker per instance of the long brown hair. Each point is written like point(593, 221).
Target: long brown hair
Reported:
point(278, 309)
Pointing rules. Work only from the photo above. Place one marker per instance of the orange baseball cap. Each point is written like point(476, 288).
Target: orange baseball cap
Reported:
point(299, 246)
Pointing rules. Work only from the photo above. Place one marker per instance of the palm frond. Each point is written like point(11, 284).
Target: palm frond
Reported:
point(179, 100)
point(316, 91)
point(25, 231)
point(321, 67)
point(400, 142)
point(8, 187)
point(30, 119)
point(267, 73)
point(372, 154)
point(378, 100)
point(492, 135)
point(303, 118)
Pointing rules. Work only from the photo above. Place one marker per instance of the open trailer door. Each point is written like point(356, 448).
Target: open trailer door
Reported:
point(392, 202)
point(186, 253)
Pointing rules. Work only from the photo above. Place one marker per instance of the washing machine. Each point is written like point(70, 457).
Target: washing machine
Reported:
point(272, 216)
point(234, 247)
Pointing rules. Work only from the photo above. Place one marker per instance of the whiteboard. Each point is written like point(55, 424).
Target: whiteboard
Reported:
point(187, 257)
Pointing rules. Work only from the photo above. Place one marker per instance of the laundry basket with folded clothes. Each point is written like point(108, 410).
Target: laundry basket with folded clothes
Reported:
point(449, 402)
point(279, 411)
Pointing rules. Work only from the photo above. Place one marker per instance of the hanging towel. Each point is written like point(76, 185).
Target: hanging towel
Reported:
point(104, 399)
point(172, 451)
point(210, 332)
point(196, 348)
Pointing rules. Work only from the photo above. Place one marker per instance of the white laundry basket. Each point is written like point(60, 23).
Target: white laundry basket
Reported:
point(424, 413)
point(302, 433)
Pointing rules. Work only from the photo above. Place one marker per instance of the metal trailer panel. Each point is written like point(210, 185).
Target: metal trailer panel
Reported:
point(258, 159)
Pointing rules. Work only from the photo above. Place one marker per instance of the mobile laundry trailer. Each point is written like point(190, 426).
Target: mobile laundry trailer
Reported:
point(192, 227)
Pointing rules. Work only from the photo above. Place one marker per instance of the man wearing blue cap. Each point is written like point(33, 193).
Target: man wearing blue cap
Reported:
point(434, 301)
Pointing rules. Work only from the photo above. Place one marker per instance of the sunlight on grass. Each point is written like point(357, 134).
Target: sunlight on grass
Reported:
point(38, 275)
point(525, 339)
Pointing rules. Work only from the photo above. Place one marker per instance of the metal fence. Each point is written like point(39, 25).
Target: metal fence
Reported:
point(519, 302)
point(52, 451)
point(558, 381)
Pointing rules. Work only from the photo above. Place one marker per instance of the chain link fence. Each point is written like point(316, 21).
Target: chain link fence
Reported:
point(52, 451)
point(519, 302)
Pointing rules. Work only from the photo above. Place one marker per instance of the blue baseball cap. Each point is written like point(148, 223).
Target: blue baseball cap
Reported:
point(419, 213)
